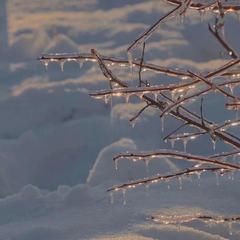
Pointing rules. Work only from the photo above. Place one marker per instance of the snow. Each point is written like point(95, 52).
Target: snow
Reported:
point(57, 143)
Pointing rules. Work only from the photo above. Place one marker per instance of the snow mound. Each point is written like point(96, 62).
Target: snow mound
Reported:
point(104, 169)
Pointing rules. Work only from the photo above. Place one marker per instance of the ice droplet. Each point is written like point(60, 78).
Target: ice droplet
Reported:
point(124, 196)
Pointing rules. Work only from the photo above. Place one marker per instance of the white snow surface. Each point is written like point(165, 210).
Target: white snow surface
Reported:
point(57, 144)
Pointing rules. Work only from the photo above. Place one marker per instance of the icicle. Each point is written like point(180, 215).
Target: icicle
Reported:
point(45, 64)
point(201, 14)
point(127, 98)
point(111, 198)
point(116, 164)
point(185, 141)
point(130, 59)
point(106, 99)
point(133, 123)
point(172, 142)
point(180, 183)
point(182, 18)
point(155, 97)
point(124, 196)
point(162, 123)
point(214, 143)
point(237, 15)
point(230, 228)
point(80, 64)
point(179, 226)
point(231, 87)
point(217, 178)
point(173, 95)
point(199, 178)
point(146, 161)
point(62, 62)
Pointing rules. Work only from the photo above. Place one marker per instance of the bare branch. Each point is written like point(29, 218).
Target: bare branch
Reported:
point(143, 37)
point(140, 112)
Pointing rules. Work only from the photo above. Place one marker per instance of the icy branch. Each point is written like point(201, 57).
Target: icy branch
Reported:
point(178, 219)
point(175, 155)
point(166, 178)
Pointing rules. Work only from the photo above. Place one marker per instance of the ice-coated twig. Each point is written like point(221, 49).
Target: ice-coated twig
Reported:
point(201, 6)
point(140, 112)
point(175, 155)
point(174, 131)
point(226, 154)
point(106, 71)
point(78, 57)
point(235, 105)
point(190, 136)
point(206, 218)
point(166, 177)
point(173, 88)
point(228, 124)
point(197, 94)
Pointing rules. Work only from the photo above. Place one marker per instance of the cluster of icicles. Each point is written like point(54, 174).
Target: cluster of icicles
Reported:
point(176, 91)
point(220, 168)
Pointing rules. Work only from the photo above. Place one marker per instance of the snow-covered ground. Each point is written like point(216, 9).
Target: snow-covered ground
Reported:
point(57, 144)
